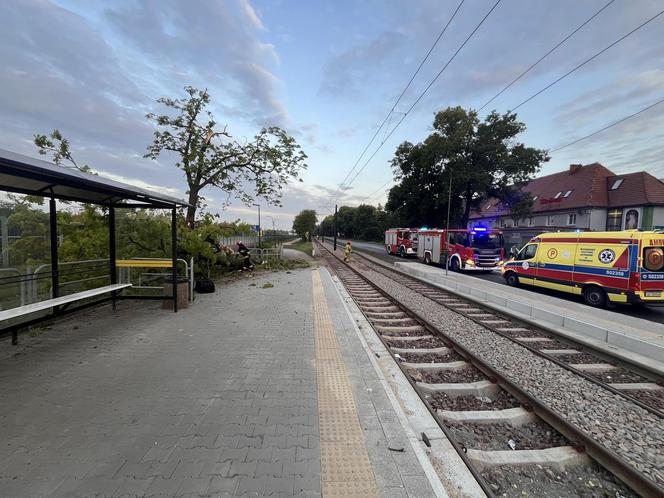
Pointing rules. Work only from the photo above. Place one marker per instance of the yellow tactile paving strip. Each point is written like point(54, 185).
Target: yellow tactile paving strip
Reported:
point(345, 467)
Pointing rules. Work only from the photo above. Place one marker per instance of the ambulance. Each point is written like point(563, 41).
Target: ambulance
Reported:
point(603, 267)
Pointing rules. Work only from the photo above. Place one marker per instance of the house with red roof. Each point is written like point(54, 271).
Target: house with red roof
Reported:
point(584, 197)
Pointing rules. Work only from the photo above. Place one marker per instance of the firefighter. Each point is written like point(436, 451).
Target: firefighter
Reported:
point(246, 257)
point(348, 250)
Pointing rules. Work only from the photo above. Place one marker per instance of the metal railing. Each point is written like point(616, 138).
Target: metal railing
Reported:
point(125, 275)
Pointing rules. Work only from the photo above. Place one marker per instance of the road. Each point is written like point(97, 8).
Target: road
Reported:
point(651, 313)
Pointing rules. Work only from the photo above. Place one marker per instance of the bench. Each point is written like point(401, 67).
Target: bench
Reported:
point(54, 303)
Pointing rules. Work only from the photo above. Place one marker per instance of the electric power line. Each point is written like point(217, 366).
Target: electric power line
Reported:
point(378, 190)
point(607, 127)
point(403, 92)
point(587, 61)
point(545, 55)
point(425, 91)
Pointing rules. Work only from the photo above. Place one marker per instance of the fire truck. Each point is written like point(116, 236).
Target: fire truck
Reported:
point(477, 249)
point(401, 241)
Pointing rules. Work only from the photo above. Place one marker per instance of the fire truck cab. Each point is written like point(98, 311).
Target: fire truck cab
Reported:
point(478, 249)
point(603, 267)
point(401, 241)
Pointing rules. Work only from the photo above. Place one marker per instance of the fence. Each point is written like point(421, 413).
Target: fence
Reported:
point(247, 239)
point(23, 287)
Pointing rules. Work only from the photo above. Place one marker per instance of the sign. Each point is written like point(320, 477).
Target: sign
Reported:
point(551, 200)
point(255, 228)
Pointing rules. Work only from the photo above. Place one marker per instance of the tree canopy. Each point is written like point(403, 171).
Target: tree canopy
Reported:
point(304, 223)
point(484, 159)
point(363, 222)
point(210, 156)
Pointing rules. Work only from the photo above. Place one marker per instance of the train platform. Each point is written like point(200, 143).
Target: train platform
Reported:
point(264, 388)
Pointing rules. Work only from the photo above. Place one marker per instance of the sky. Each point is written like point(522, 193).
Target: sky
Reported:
point(328, 73)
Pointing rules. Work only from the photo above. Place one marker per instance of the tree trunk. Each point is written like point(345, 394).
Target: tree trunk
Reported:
point(191, 210)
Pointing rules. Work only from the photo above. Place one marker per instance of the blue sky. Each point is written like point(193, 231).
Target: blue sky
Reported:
point(328, 72)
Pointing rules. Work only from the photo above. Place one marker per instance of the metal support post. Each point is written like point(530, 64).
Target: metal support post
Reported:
point(259, 226)
point(447, 227)
point(111, 251)
point(335, 227)
point(174, 256)
point(53, 222)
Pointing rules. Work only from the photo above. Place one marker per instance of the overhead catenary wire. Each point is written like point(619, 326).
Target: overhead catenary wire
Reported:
point(378, 190)
point(428, 87)
point(403, 92)
point(560, 147)
point(579, 66)
point(532, 66)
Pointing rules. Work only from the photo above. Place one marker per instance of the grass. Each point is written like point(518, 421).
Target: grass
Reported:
point(305, 247)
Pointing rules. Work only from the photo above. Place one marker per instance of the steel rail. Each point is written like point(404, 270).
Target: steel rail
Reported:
point(604, 456)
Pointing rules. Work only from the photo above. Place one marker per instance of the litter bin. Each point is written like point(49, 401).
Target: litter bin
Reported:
point(183, 293)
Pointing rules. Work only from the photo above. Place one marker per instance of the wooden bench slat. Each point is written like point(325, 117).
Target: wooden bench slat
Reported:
point(58, 301)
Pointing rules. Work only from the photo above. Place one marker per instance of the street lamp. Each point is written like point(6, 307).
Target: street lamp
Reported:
point(259, 224)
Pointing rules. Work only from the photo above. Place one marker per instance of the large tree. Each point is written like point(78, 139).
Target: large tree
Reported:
point(305, 223)
point(210, 156)
point(484, 159)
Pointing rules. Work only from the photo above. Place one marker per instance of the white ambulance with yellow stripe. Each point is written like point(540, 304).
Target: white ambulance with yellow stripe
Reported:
point(616, 267)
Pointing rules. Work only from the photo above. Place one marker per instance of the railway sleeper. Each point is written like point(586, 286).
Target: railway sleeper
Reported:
point(452, 365)
point(558, 457)
point(593, 367)
point(479, 388)
point(441, 350)
point(637, 386)
point(407, 338)
point(402, 329)
point(514, 417)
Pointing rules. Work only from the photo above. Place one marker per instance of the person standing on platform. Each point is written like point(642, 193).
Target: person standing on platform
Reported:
point(348, 250)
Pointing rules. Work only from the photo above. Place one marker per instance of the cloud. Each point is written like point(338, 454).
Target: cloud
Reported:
point(215, 43)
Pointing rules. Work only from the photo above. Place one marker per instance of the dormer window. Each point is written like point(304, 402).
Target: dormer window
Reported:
point(557, 196)
point(568, 193)
point(535, 198)
point(616, 185)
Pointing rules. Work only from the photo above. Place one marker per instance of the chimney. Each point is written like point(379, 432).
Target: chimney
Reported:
point(573, 168)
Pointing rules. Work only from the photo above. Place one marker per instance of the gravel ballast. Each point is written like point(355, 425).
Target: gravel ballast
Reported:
point(431, 357)
point(536, 436)
point(501, 400)
point(630, 431)
point(582, 481)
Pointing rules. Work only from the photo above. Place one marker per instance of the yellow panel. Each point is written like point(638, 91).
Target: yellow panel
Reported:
point(617, 298)
point(143, 263)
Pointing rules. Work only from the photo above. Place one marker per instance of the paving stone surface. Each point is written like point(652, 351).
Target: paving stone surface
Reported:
point(216, 400)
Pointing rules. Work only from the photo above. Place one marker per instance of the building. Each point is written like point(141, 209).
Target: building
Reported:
point(589, 197)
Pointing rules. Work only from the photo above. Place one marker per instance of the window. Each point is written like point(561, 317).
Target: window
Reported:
point(632, 219)
point(653, 258)
point(614, 219)
point(528, 252)
point(616, 185)
point(571, 219)
point(550, 220)
point(516, 222)
point(557, 196)
point(535, 198)
point(568, 193)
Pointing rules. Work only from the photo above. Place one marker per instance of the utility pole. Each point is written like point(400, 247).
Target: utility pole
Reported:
point(335, 227)
point(447, 227)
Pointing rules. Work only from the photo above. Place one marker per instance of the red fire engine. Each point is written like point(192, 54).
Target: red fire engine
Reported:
point(401, 241)
point(477, 249)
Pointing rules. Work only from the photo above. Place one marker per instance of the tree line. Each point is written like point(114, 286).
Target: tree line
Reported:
point(463, 162)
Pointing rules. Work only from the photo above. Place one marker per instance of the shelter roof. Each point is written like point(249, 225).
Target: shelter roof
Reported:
point(27, 175)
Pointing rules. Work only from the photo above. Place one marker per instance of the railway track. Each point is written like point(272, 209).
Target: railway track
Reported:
point(496, 415)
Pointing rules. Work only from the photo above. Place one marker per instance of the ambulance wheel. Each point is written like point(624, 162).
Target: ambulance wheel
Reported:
point(594, 296)
point(512, 279)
